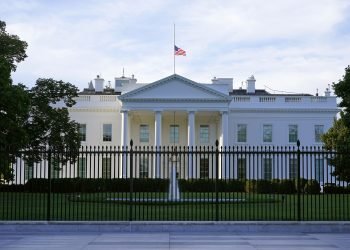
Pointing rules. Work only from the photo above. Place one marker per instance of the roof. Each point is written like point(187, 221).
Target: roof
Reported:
point(262, 92)
point(93, 92)
point(206, 91)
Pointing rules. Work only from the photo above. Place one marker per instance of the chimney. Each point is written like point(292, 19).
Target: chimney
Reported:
point(120, 82)
point(251, 85)
point(327, 92)
point(91, 86)
point(99, 84)
point(223, 81)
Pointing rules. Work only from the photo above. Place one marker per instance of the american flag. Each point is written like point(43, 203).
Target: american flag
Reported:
point(179, 52)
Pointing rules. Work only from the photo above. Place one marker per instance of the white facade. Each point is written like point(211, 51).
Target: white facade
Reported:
point(199, 111)
point(176, 111)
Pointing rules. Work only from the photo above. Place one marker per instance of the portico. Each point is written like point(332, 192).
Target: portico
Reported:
point(156, 128)
point(175, 100)
point(175, 111)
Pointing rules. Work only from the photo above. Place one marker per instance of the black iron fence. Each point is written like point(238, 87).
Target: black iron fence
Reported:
point(178, 183)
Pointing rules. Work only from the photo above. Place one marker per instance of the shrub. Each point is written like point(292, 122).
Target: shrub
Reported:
point(336, 190)
point(312, 187)
point(77, 185)
point(259, 186)
point(12, 188)
point(197, 185)
point(303, 182)
point(250, 186)
point(208, 185)
point(286, 187)
point(235, 186)
point(264, 187)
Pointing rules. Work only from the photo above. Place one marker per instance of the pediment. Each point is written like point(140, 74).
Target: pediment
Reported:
point(174, 87)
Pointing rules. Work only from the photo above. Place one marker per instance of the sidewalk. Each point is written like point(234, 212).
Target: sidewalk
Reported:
point(156, 240)
point(279, 235)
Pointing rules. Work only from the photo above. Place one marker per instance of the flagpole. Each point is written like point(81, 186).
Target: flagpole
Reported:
point(174, 49)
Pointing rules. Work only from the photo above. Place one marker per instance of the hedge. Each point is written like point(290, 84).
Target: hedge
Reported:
point(336, 190)
point(12, 188)
point(312, 187)
point(77, 185)
point(208, 185)
point(274, 186)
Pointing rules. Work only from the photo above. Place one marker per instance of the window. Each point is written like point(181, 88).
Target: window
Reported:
point(28, 171)
point(107, 132)
point(293, 168)
point(82, 132)
point(318, 132)
point(267, 168)
point(144, 133)
point(267, 133)
point(82, 167)
point(241, 168)
point(144, 166)
point(204, 134)
point(106, 168)
point(204, 168)
point(319, 170)
point(241, 132)
point(293, 133)
point(174, 134)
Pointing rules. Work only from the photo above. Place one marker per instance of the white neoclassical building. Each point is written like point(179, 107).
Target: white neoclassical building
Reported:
point(178, 111)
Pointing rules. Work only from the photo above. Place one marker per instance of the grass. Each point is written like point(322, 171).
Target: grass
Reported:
point(95, 206)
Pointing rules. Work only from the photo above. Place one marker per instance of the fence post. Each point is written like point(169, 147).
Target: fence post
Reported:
point(216, 180)
point(298, 182)
point(131, 181)
point(48, 214)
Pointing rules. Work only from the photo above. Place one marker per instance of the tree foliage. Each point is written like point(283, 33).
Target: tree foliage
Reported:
point(342, 90)
point(12, 49)
point(32, 120)
point(14, 102)
point(49, 125)
point(338, 137)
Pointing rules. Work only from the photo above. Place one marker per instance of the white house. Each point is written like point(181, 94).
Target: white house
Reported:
point(178, 111)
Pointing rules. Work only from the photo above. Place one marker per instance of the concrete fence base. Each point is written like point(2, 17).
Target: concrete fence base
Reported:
point(178, 226)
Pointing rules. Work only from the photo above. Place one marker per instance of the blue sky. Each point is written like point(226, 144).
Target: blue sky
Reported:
point(289, 45)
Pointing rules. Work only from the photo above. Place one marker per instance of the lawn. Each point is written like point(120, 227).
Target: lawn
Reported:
point(116, 207)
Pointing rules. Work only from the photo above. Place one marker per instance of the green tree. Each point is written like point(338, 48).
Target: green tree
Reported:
point(342, 90)
point(14, 102)
point(32, 120)
point(50, 126)
point(12, 49)
point(337, 138)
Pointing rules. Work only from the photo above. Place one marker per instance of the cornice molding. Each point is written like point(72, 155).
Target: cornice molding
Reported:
point(176, 100)
point(284, 110)
point(93, 109)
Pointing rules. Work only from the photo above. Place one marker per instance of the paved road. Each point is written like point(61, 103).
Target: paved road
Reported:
point(132, 241)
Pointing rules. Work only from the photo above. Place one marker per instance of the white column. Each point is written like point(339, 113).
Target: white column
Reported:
point(158, 128)
point(191, 141)
point(191, 129)
point(224, 143)
point(224, 128)
point(125, 140)
point(157, 141)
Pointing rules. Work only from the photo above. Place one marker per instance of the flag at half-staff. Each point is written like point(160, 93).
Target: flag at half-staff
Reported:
point(178, 51)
